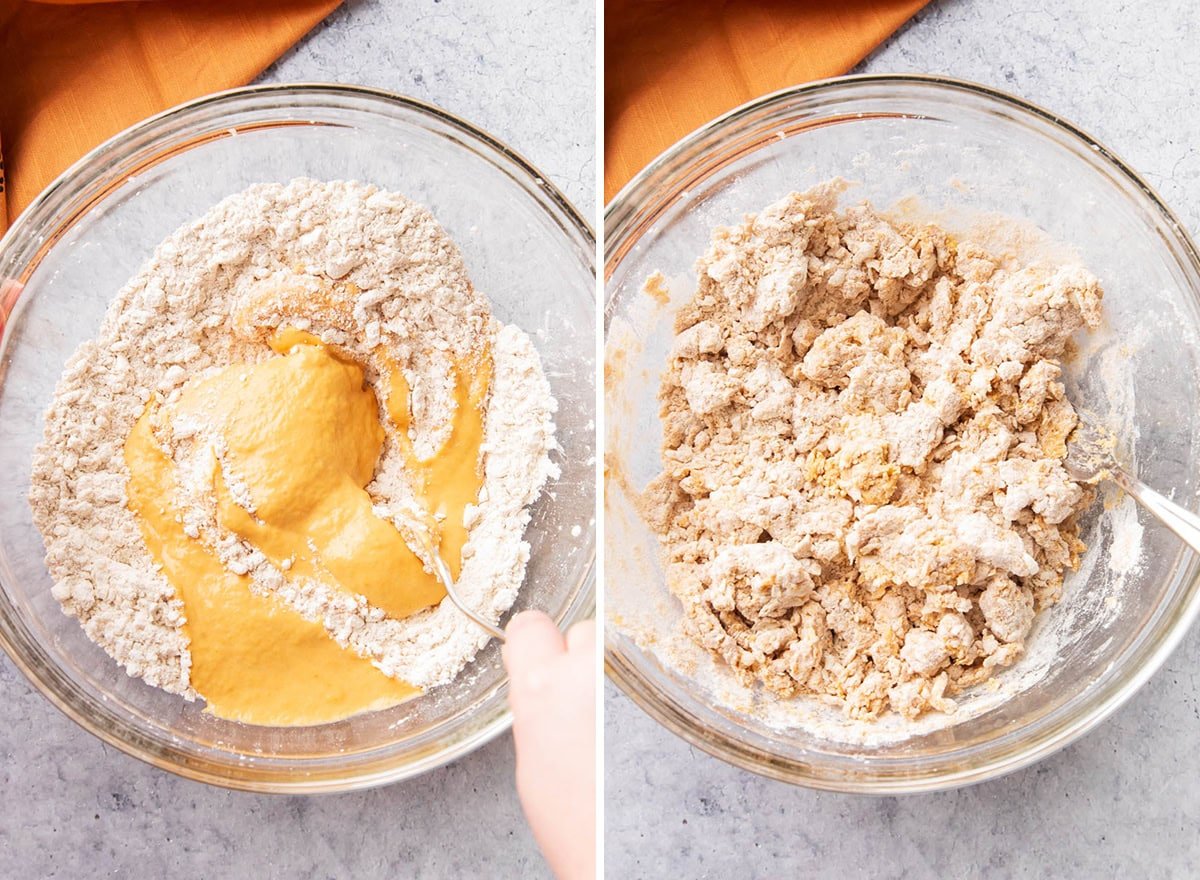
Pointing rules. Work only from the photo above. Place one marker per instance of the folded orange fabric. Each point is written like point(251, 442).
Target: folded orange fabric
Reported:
point(75, 73)
point(672, 65)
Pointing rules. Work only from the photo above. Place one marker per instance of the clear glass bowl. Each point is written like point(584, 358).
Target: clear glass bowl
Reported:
point(964, 151)
point(525, 247)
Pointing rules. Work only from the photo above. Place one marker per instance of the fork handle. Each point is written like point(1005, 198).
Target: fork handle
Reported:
point(1179, 520)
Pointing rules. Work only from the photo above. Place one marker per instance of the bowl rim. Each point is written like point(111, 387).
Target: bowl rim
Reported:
point(75, 180)
point(624, 218)
point(307, 87)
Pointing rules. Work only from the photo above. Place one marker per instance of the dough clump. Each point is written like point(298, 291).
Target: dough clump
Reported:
point(863, 496)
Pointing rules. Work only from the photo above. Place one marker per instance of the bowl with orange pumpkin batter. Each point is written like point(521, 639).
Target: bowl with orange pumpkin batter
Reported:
point(234, 470)
point(243, 473)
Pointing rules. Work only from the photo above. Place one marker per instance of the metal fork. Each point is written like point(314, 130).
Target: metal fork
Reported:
point(1091, 458)
point(442, 571)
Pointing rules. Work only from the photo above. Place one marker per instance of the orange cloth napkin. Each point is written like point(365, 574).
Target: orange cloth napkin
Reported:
point(75, 73)
point(672, 65)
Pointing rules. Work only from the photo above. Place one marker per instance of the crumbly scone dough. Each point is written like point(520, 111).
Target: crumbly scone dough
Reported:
point(863, 496)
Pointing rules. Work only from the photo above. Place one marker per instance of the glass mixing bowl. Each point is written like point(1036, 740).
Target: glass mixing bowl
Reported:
point(82, 239)
point(965, 152)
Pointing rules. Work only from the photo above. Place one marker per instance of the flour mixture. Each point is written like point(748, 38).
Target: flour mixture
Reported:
point(235, 472)
point(863, 496)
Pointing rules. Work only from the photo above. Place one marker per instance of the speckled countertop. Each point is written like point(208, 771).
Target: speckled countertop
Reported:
point(1122, 802)
point(71, 807)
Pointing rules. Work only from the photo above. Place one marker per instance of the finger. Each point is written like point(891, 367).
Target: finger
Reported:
point(581, 638)
point(530, 640)
point(10, 289)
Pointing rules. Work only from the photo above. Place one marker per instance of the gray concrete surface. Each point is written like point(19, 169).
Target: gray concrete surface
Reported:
point(1125, 800)
point(71, 807)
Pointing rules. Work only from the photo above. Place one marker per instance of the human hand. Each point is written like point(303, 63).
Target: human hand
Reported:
point(553, 699)
point(10, 289)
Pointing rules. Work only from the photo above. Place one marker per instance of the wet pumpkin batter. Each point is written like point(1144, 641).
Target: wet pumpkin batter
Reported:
point(297, 439)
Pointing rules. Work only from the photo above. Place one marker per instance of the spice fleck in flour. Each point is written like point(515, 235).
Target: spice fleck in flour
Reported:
point(863, 496)
point(363, 288)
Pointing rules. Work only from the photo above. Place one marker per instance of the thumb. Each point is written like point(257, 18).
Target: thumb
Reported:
point(531, 640)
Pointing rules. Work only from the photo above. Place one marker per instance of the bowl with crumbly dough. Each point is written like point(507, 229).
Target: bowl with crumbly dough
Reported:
point(848, 330)
point(262, 355)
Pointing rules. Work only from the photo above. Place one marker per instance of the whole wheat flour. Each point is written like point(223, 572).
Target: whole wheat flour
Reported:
point(863, 496)
point(362, 269)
